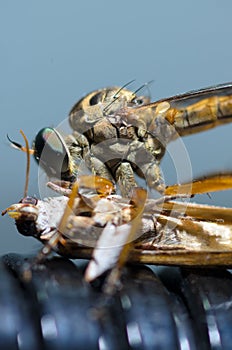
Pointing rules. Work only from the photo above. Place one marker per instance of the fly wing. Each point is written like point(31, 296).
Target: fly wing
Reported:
point(189, 233)
point(199, 211)
point(115, 243)
point(107, 250)
point(202, 236)
point(191, 97)
point(182, 234)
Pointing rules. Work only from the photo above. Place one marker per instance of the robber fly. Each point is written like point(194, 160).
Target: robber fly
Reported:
point(88, 221)
point(119, 134)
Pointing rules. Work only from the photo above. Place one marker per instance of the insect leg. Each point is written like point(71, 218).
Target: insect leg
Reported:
point(125, 178)
point(211, 183)
point(154, 176)
point(97, 167)
point(78, 147)
point(146, 165)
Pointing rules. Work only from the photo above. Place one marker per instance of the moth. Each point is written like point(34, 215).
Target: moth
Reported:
point(118, 134)
point(89, 221)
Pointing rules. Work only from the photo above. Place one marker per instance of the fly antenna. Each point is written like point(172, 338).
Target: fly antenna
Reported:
point(27, 150)
point(117, 94)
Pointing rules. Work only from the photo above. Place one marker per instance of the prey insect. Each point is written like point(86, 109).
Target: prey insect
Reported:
point(119, 134)
point(88, 221)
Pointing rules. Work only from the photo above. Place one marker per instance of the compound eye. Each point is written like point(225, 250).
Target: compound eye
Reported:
point(51, 152)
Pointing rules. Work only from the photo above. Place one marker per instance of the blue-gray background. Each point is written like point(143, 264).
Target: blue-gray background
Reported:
point(53, 52)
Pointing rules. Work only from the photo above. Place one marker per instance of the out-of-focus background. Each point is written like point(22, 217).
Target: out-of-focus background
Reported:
point(53, 52)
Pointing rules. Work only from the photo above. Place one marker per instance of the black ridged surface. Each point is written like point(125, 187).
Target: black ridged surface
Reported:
point(208, 296)
point(54, 309)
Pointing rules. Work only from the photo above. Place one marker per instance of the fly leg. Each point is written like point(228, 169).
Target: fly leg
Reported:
point(98, 167)
point(125, 178)
point(146, 165)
